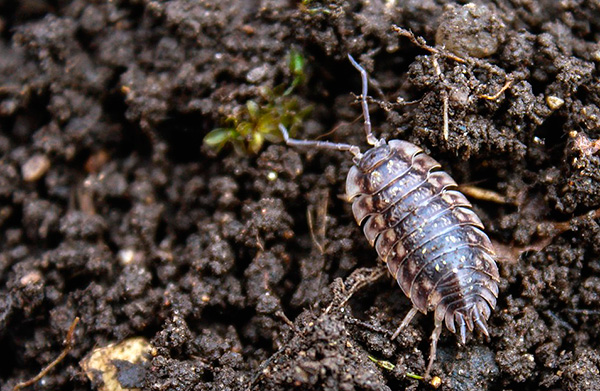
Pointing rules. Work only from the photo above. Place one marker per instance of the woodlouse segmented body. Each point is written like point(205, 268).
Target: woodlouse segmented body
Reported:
point(426, 233)
point(423, 229)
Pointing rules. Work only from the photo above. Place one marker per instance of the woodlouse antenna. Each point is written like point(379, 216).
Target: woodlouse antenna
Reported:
point(353, 149)
point(371, 139)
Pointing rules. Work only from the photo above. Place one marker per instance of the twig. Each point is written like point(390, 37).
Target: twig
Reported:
point(483, 194)
point(445, 131)
point(420, 42)
point(566, 225)
point(361, 281)
point(497, 94)
point(57, 360)
point(281, 315)
point(318, 235)
point(440, 75)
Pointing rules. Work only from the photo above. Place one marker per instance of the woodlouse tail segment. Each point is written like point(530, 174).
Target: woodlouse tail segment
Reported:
point(480, 314)
point(462, 327)
point(353, 149)
point(469, 318)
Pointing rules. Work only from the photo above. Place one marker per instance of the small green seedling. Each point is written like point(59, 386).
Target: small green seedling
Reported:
point(389, 366)
point(296, 67)
point(382, 363)
point(248, 130)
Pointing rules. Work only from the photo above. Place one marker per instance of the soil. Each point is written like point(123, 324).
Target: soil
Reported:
point(236, 267)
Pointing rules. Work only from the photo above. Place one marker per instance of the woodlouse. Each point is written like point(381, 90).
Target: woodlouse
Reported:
point(422, 228)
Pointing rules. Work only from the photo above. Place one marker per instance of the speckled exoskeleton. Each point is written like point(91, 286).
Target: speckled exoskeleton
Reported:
point(423, 229)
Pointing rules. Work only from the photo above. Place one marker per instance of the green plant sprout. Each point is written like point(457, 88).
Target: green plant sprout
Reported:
point(247, 131)
point(390, 367)
point(382, 363)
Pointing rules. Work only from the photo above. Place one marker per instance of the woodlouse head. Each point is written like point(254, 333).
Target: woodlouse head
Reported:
point(373, 157)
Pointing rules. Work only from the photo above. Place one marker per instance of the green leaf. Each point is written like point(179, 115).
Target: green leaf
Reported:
point(245, 128)
point(256, 143)
point(296, 62)
point(267, 123)
point(253, 109)
point(217, 138)
point(239, 147)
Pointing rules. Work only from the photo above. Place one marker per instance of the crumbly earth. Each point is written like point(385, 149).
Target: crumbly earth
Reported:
point(111, 211)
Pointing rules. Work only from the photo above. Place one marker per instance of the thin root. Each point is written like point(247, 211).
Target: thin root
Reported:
point(360, 282)
point(318, 233)
point(446, 126)
point(57, 360)
point(281, 315)
point(505, 87)
point(420, 42)
point(484, 194)
point(511, 253)
point(440, 75)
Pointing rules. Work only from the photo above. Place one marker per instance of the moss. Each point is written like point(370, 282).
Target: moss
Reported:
point(258, 123)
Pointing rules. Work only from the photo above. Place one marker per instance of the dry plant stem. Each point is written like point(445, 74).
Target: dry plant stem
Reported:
point(318, 233)
point(376, 275)
point(440, 75)
point(445, 131)
point(505, 87)
point(512, 253)
point(483, 194)
point(61, 356)
point(420, 42)
point(566, 225)
point(281, 315)
point(358, 285)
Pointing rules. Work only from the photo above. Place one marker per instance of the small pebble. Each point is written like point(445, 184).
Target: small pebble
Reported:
point(272, 175)
point(30, 278)
point(435, 382)
point(554, 102)
point(35, 167)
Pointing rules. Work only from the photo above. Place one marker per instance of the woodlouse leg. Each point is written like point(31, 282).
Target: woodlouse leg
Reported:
point(435, 336)
point(462, 327)
point(353, 149)
point(371, 139)
point(411, 314)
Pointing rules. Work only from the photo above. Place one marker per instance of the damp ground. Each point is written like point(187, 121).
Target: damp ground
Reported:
point(235, 266)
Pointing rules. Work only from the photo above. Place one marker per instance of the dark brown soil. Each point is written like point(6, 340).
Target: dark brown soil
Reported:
point(110, 210)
